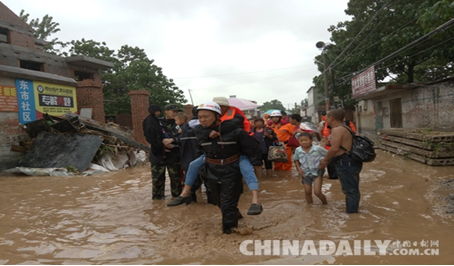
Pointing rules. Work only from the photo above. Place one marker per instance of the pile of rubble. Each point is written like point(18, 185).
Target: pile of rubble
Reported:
point(422, 145)
point(68, 145)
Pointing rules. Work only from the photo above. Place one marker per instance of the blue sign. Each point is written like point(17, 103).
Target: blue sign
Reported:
point(26, 100)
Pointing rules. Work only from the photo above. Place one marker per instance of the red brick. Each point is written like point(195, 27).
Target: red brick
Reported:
point(139, 108)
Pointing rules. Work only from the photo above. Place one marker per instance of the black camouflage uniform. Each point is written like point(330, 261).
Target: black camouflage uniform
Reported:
point(161, 160)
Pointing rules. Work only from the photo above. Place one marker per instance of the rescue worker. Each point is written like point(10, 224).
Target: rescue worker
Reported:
point(162, 158)
point(222, 163)
point(231, 118)
point(283, 133)
point(187, 142)
point(234, 114)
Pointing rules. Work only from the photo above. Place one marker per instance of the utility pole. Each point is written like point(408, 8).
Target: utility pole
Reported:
point(325, 70)
point(324, 47)
point(190, 95)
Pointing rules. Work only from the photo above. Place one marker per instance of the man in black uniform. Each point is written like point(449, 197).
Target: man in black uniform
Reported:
point(161, 157)
point(222, 162)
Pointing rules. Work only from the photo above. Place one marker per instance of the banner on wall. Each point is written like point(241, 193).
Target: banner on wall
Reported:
point(8, 99)
point(36, 98)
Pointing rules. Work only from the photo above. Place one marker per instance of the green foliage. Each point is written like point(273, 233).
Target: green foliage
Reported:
point(377, 29)
point(405, 155)
point(272, 105)
point(43, 30)
point(132, 70)
point(72, 169)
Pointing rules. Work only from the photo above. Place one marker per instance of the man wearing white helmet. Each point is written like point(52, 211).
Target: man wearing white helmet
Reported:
point(283, 133)
point(231, 118)
point(222, 162)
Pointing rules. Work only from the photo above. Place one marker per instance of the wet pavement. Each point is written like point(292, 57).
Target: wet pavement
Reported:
point(111, 219)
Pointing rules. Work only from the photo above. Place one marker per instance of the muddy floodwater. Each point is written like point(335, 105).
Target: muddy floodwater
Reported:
point(111, 219)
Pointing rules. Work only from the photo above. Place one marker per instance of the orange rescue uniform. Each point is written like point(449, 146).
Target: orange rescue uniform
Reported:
point(283, 133)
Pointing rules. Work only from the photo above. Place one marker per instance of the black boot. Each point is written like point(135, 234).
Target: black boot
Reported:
point(180, 200)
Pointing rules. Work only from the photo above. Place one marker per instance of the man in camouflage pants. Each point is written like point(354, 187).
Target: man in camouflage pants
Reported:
point(163, 157)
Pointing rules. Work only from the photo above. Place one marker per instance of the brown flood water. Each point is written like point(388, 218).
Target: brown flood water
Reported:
point(111, 219)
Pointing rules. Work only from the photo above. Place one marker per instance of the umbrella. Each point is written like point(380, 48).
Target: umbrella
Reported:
point(270, 111)
point(242, 104)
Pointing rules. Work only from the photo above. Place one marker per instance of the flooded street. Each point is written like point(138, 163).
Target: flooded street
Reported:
point(111, 219)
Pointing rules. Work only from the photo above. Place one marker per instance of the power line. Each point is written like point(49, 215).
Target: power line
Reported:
point(415, 42)
point(242, 73)
point(367, 47)
point(433, 46)
point(343, 51)
point(247, 82)
point(370, 21)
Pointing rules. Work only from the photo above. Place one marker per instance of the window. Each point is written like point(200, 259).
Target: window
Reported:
point(82, 75)
point(31, 65)
point(3, 35)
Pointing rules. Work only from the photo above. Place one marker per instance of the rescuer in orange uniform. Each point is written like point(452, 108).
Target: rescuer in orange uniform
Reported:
point(283, 133)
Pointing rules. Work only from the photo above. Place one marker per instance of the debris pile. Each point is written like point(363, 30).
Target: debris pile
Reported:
point(422, 145)
point(72, 144)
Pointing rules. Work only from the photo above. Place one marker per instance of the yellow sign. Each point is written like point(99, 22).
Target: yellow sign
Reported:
point(54, 99)
point(8, 99)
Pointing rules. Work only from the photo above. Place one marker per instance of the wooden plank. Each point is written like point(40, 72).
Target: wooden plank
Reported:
point(394, 132)
point(120, 137)
point(415, 157)
point(414, 143)
point(419, 158)
point(419, 134)
point(426, 153)
point(437, 162)
point(18, 148)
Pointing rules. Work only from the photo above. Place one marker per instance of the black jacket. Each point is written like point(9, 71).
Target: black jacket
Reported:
point(230, 143)
point(169, 127)
point(153, 134)
point(153, 129)
point(188, 144)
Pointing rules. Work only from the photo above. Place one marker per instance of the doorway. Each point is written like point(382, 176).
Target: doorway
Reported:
point(396, 113)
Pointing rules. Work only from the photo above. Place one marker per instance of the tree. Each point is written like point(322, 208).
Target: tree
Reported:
point(272, 105)
point(132, 70)
point(43, 30)
point(377, 29)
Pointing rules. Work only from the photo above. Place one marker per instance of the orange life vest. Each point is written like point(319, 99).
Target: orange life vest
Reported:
point(230, 114)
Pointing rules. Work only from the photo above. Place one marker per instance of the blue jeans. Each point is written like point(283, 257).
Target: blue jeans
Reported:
point(348, 172)
point(246, 168)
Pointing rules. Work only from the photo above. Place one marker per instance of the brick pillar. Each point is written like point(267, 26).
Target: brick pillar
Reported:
point(139, 111)
point(89, 95)
point(188, 110)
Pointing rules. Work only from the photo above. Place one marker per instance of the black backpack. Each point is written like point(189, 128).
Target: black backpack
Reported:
point(362, 148)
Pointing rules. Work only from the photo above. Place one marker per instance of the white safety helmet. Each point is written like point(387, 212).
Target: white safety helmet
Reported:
point(211, 106)
point(276, 113)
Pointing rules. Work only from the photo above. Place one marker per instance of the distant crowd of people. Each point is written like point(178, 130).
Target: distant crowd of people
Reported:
point(218, 146)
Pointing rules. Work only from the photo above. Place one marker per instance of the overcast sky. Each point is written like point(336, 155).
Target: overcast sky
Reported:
point(259, 50)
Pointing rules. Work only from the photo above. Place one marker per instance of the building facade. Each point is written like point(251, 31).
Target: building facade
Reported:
point(33, 82)
point(408, 106)
point(314, 108)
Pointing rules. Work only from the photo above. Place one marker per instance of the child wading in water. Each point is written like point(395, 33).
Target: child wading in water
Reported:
point(307, 158)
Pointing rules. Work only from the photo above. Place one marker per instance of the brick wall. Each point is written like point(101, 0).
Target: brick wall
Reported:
point(89, 95)
point(22, 40)
point(188, 110)
point(10, 134)
point(139, 109)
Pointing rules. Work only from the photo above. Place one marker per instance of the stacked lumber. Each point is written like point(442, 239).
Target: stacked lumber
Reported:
point(422, 145)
